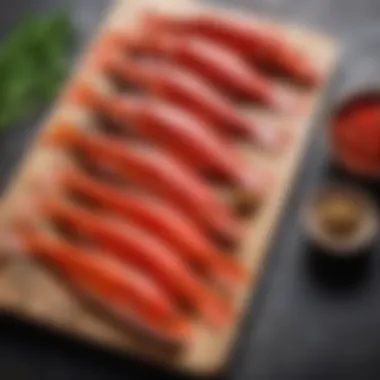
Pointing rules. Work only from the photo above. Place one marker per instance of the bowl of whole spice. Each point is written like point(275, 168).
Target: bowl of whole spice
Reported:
point(341, 220)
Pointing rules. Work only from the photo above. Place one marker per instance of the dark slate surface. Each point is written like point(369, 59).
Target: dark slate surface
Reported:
point(307, 322)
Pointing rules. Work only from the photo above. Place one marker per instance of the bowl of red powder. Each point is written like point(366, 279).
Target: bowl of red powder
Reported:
point(355, 134)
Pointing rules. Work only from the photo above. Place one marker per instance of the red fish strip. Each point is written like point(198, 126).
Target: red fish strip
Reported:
point(154, 170)
point(133, 245)
point(120, 287)
point(216, 64)
point(161, 220)
point(189, 91)
point(260, 43)
point(185, 136)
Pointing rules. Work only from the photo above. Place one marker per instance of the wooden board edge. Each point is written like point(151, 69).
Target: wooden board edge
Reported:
point(217, 366)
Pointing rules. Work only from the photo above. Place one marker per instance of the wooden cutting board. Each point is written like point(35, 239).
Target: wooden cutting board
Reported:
point(30, 290)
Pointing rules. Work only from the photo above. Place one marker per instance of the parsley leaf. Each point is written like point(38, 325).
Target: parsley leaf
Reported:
point(33, 65)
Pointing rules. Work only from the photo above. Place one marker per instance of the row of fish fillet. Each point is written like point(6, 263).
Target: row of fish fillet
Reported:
point(121, 195)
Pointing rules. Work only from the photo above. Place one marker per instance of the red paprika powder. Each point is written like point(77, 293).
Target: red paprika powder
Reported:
point(356, 135)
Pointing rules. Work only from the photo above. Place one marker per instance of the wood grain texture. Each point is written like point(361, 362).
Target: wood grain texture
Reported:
point(28, 289)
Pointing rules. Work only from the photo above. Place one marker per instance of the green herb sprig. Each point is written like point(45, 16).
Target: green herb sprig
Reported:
point(33, 64)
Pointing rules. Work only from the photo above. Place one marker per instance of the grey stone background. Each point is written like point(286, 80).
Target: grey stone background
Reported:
point(309, 320)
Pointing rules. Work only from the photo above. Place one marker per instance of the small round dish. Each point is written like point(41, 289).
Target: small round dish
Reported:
point(341, 220)
point(355, 135)
point(359, 71)
point(353, 147)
